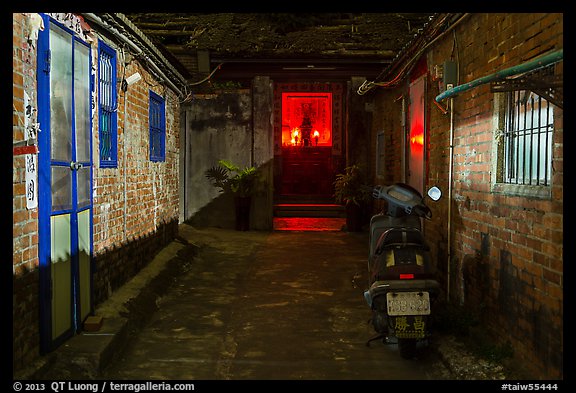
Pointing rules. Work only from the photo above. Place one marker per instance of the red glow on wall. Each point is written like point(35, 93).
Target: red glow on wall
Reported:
point(417, 143)
point(306, 119)
point(309, 224)
point(417, 139)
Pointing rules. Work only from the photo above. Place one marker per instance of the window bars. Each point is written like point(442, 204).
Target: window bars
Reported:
point(157, 127)
point(528, 139)
point(107, 107)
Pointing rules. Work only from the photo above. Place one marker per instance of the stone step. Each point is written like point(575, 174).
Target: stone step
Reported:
point(309, 210)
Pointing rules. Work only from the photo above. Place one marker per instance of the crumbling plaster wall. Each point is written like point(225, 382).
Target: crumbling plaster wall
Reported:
point(232, 125)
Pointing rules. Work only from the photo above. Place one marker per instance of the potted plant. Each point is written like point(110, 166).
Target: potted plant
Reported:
point(352, 191)
point(241, 183)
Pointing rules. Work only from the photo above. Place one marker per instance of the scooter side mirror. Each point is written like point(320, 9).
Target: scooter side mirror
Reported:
point(434, 193)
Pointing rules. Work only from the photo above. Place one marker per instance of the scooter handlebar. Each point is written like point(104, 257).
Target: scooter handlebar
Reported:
point(377, 192)
point(404, 198)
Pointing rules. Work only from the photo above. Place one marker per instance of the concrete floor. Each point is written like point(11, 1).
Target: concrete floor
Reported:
point(267, 306)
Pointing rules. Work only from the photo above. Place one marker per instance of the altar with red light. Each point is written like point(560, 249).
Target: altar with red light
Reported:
point(307, 139)
point(306, 119)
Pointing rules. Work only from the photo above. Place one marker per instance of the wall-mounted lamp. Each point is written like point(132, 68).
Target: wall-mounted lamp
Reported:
point(130, 80)
point(133, 78)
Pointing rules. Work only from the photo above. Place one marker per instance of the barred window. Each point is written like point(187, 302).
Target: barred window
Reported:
point(527, 144)
point(107, 106)
point(157, 120)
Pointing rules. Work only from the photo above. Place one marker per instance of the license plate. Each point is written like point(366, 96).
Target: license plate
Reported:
point(408, 303)
point(409, 326)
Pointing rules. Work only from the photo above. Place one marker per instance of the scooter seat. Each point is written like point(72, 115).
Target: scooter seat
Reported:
point(381, 223)
point(401, 237)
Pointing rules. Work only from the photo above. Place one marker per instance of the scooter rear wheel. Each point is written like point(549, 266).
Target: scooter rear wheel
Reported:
point(407, 347)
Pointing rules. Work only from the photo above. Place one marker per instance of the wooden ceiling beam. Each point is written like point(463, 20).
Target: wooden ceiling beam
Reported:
point(171, 32)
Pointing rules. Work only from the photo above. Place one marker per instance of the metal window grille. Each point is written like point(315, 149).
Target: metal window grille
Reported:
point(107, 112)
point(528, 139)
point(157, 128)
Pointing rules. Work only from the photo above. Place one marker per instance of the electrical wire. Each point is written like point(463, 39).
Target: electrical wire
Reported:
point(189, 95)
point(409, 64)
point(367, 85)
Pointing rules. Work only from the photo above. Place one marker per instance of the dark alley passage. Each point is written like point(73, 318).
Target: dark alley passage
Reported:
point(260, 305)
point(193, 195)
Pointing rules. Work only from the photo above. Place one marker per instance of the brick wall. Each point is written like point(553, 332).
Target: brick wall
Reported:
point(150, 186)
point(25, 222)
point(139, 199)
point(506, 260)
point(25, 332)
point(135, 205)
point(388, 121)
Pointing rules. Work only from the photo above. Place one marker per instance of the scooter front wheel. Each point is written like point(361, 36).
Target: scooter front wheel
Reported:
point(407, 347)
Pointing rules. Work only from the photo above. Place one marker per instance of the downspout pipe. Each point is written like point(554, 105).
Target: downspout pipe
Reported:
point(531, 65)
point(451, 164)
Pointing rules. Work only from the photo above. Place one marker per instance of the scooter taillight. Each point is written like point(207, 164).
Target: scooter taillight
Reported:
point(409, 276)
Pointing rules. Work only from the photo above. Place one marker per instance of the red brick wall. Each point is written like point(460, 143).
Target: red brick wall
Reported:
point(506, 260)
point(25, 334)
point(135, 205)
point(150, 186)
point(139, 199)
point(149, 196)
point(25, 222)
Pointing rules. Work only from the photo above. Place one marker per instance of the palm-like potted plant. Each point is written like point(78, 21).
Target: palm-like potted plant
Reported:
point(240, 182)
point(352, 191)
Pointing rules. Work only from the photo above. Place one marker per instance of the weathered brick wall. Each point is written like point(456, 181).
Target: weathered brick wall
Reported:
point(25, 222)
point(387, 118)
point(25, 332)
point(135, 205)
point(138, 199)
point(506, 260)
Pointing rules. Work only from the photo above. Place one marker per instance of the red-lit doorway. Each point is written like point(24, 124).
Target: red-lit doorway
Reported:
point(417, 135)
point(307, 140)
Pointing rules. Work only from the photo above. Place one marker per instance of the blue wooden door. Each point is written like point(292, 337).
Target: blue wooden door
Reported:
point(65, 185)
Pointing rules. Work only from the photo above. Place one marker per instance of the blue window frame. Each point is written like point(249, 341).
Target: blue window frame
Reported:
point(107, 106)
point(157, 121)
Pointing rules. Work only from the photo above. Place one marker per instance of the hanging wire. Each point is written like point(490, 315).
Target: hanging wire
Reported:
point(189, 95)
point(426, 40)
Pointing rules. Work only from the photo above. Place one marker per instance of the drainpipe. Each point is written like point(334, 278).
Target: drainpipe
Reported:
point(450, 198)
point(404, 136)
point(531, 65)
point(125, 161)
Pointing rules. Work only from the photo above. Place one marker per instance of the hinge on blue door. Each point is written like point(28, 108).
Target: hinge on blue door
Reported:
point(47, 61)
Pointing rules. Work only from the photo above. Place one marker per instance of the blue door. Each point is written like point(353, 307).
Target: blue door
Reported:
point(64, 183)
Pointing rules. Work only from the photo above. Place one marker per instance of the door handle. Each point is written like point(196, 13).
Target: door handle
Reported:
point(75, 165)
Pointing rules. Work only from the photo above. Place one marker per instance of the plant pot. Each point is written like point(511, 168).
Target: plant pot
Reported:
point(242, 205)
point(353, 217)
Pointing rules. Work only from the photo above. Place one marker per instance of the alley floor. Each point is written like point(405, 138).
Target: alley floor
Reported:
point(281, 305)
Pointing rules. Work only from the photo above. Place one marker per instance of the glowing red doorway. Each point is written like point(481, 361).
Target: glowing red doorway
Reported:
point(304, 171)
point(306, 119)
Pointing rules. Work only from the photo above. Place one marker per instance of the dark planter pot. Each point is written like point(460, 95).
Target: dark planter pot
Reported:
point(353, 217)
point(242, 213)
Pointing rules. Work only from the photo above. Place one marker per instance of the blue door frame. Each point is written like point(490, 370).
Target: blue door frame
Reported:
point(74, 212)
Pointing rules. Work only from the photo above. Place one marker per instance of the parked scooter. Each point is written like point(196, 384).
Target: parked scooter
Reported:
point(402, 286)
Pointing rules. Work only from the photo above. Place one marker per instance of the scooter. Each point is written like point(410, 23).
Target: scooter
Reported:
point(402, 284)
